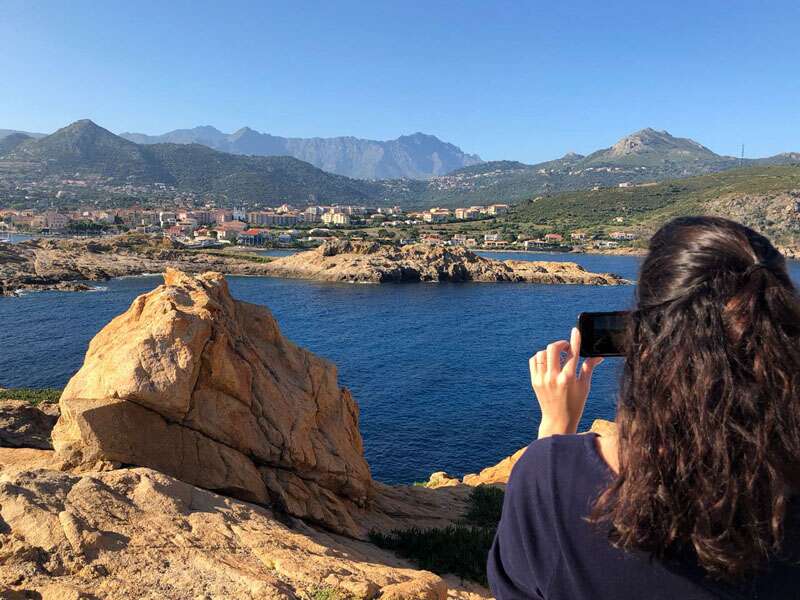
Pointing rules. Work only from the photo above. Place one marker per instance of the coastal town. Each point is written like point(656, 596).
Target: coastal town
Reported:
point(288, 226)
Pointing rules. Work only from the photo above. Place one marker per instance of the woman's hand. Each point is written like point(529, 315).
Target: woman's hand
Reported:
point(561, 391)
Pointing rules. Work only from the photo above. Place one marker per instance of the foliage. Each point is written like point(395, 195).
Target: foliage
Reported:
point(325, 593)
point(485, 506)
point(651, 203)
point(86, 227)
point(460, 549)
point(32, 395)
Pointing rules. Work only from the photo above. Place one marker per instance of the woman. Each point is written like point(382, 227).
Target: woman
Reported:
point(692, 499)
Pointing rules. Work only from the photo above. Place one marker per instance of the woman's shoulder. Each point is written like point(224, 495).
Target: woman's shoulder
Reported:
point(549, 456)
point(554, 469)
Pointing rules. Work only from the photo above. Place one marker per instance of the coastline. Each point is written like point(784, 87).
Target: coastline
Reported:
point(67, 264)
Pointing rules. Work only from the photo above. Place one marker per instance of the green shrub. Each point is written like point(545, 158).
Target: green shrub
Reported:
point(325, 593)
point(459, 549)
point(485, 506)
point(31, 395)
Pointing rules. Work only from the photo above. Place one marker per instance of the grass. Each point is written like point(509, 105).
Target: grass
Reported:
point(32, 395)
point(325, 593)
point(459, 549)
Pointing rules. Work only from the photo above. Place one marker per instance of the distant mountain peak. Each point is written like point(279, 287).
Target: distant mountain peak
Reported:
point(572, 156)
point(649, 140)
point(82, 124)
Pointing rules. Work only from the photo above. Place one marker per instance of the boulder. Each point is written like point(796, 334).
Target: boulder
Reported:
point(202, 387)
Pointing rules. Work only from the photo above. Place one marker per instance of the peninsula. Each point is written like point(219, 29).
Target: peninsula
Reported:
point(67, 264)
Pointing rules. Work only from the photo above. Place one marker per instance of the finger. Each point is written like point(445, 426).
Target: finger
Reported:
point(571, 364)
point(537, 364)
point(588, 367)
point(554, 351)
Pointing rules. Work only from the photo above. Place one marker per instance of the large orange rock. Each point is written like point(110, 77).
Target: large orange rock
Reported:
point(205, 388)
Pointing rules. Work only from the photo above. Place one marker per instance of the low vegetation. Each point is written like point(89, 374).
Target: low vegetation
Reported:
point(325, 593)
point(652, 204)
point(459, 549)
point(32, 395)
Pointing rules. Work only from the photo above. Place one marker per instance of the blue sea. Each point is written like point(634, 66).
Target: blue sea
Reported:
point(440, 371)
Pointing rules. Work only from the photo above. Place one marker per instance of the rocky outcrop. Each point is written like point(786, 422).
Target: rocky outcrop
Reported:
point(66, 264)
point(370, 262)
point(205, 388)
point(498, 474)
point(135, 533)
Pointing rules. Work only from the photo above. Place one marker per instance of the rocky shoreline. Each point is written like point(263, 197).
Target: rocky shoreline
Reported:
point(67, 264)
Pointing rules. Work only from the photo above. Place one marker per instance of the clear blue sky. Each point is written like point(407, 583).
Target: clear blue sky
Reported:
point(517, 80)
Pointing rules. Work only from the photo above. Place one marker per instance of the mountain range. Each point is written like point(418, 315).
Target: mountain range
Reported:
point(87, 149)
point(417, 156)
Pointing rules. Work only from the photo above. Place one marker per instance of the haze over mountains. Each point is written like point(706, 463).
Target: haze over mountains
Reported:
point(84, 148)
point(417, 156)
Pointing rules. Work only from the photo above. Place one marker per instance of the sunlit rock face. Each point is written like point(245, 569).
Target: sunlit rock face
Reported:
point(205, 388)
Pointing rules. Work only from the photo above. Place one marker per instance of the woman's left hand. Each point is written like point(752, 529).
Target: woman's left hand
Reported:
point(561, 390)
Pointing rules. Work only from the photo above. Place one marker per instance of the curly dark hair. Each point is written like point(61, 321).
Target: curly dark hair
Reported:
point(709, 407)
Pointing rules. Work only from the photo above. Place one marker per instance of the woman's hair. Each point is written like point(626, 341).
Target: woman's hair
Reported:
point(709, 407)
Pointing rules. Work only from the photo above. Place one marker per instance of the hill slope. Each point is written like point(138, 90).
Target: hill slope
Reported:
point(417, 156)
point(766, 198)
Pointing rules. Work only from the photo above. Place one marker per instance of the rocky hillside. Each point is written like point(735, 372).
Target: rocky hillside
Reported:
point(417, 156)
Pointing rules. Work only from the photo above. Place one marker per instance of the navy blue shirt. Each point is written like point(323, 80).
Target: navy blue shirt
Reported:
point(546, 548)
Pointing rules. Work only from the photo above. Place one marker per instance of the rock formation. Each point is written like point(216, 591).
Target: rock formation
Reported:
point(65, 264)
point(197, 385)
point(138, 533)
point(370, 262)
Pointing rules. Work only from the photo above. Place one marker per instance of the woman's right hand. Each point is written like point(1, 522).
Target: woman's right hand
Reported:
point(561, 389)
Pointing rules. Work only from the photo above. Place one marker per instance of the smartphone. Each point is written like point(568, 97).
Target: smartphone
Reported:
point(603, 333)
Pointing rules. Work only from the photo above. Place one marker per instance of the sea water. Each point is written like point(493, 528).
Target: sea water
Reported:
point(439, 370)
